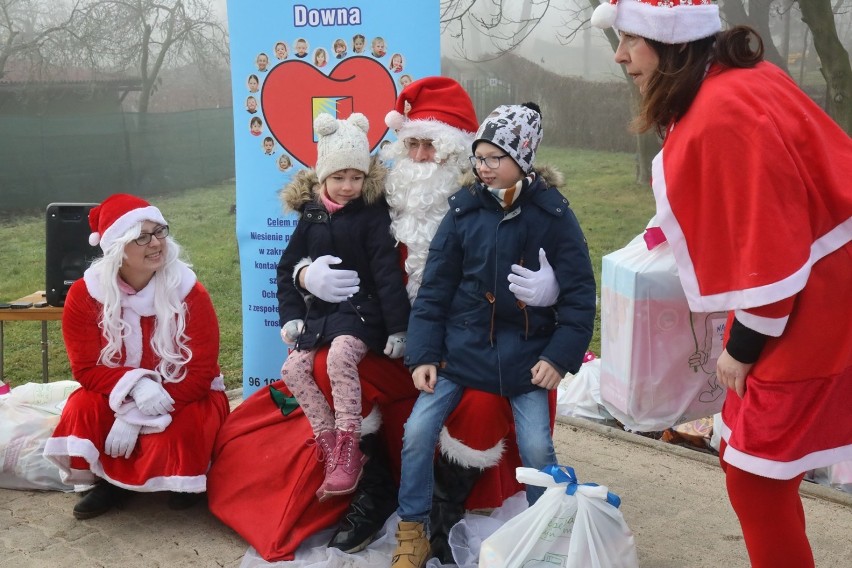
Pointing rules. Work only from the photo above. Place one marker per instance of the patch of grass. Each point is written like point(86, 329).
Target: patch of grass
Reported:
point(611, 207)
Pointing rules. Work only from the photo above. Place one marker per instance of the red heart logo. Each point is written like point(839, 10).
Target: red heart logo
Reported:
point(294, 92)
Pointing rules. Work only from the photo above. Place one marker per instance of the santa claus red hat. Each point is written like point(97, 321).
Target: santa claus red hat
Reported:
point(433, 107)
point(118, 212)
point(666, 21)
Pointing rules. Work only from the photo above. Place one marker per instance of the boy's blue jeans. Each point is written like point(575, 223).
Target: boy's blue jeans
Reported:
point(532, 425)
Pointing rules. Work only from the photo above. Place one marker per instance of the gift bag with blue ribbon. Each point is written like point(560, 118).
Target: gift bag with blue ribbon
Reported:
point(573, 525)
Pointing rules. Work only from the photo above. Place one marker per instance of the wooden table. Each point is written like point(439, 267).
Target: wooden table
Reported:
point(44, 315)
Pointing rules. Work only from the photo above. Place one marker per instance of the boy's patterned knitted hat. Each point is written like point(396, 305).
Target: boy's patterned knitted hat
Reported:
point(342, 144)
point(666, 21)
point(118, 212)
point(516, 129)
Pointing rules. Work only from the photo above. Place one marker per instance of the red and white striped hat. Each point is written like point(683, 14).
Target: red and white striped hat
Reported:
point(666, 21)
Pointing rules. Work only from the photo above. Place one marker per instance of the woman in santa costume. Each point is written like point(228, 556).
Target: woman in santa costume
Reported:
point(753, 193)
point(272, 504)
point(143, 341)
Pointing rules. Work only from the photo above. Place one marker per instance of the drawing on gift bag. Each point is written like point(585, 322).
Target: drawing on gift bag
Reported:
point(708, 347)
point(549, 561)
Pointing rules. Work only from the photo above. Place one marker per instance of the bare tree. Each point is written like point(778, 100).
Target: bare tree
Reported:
point(144, 36)
point(26, 27)
point(836, 67)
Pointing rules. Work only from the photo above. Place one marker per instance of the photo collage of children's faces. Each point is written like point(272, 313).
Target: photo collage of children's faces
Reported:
point(341, 49)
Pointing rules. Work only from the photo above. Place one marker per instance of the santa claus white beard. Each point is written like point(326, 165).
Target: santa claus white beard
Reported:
point(417, 194)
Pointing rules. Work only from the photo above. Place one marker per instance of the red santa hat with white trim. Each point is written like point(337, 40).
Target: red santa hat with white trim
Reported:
point(118, 212)
point(665, 21)
point(438, 109)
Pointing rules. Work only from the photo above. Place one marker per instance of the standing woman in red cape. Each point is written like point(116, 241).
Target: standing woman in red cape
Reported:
point(143, 341)
point(753, 194)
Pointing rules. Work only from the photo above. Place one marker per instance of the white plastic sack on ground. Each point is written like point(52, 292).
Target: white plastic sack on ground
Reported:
point(658, 359)
point(838, 476)
point(570, 526)
point(28, 416)
point(580, 395)
point(465, 539)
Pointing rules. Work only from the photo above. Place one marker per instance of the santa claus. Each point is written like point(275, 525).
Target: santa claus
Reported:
point(435, 122)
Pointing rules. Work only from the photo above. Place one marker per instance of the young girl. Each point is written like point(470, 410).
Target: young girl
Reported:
point(344, 221)
point(467, 328)
point(396, 63)
point(746, 149)
point(339, 48)
point(320, 57)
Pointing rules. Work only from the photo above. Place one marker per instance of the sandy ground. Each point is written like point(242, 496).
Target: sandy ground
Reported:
point(672, 498)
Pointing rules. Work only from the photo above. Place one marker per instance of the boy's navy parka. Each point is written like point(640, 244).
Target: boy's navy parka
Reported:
point(467, 321)
point(359, 234)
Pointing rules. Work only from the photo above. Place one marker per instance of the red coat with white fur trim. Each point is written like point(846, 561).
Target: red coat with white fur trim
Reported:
point(754, 195)
point(173, 451)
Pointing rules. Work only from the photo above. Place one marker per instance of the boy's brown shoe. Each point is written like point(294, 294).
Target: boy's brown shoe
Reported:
point(412, 548)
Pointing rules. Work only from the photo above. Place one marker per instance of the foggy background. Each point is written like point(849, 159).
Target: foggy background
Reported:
point(98, 97)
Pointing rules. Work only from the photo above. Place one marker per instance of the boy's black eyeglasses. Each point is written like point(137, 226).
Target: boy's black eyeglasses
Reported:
point(160, 232)
point(493, 162)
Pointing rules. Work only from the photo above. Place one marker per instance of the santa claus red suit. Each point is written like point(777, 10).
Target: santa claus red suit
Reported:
point(264, 476)
point(172, 449)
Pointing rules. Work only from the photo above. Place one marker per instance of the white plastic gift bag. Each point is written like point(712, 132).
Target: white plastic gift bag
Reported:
point(572, 525)
point(580, 395)
point(28, 416)
point(658, 359)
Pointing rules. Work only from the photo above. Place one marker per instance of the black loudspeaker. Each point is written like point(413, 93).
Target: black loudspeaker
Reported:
point(68, 250)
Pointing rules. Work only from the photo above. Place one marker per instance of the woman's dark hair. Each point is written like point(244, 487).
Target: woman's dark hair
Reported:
point(671, 90)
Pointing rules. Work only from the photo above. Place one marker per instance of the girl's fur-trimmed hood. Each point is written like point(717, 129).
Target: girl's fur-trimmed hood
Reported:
point(550, 175)
point(305, 187)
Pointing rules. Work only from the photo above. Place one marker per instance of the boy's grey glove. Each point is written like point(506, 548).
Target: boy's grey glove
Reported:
point(395, 347)
point(121, 438)
point(151, 398)
point(535, 288)
point(329, 285)
point(291, 331)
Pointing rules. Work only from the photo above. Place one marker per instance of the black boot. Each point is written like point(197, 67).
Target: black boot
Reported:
point(374, 500)
point(103, 497)
point(453, 483)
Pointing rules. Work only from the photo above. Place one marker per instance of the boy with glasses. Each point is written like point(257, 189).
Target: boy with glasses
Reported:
point(467, 322)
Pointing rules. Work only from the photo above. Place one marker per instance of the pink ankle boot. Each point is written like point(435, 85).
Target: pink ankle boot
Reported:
point(325, 442)
point(348, 464)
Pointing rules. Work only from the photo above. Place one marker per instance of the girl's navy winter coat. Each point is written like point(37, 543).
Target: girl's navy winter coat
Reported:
point(359, 234)
point(467, 321)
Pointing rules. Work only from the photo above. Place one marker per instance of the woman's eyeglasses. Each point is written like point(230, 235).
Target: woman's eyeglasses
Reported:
point(493, 162)
point(160, 232)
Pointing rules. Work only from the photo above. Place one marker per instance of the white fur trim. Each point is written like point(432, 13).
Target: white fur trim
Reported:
point(305, 262)
point(394, 120)
point(218, 383)
point(767, 326)
point(604, 16)
point(466, 456)
point(94, 239)
point(372, 422)
point(667, 24)
point(123, 223)
point(121, 391)
point(60, 450)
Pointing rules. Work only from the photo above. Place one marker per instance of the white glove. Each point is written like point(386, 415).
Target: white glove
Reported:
point(330, 285)
point(151, 398)
point(121, 438)
point(395, 347)
point(535, 288)
point(291, 331)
